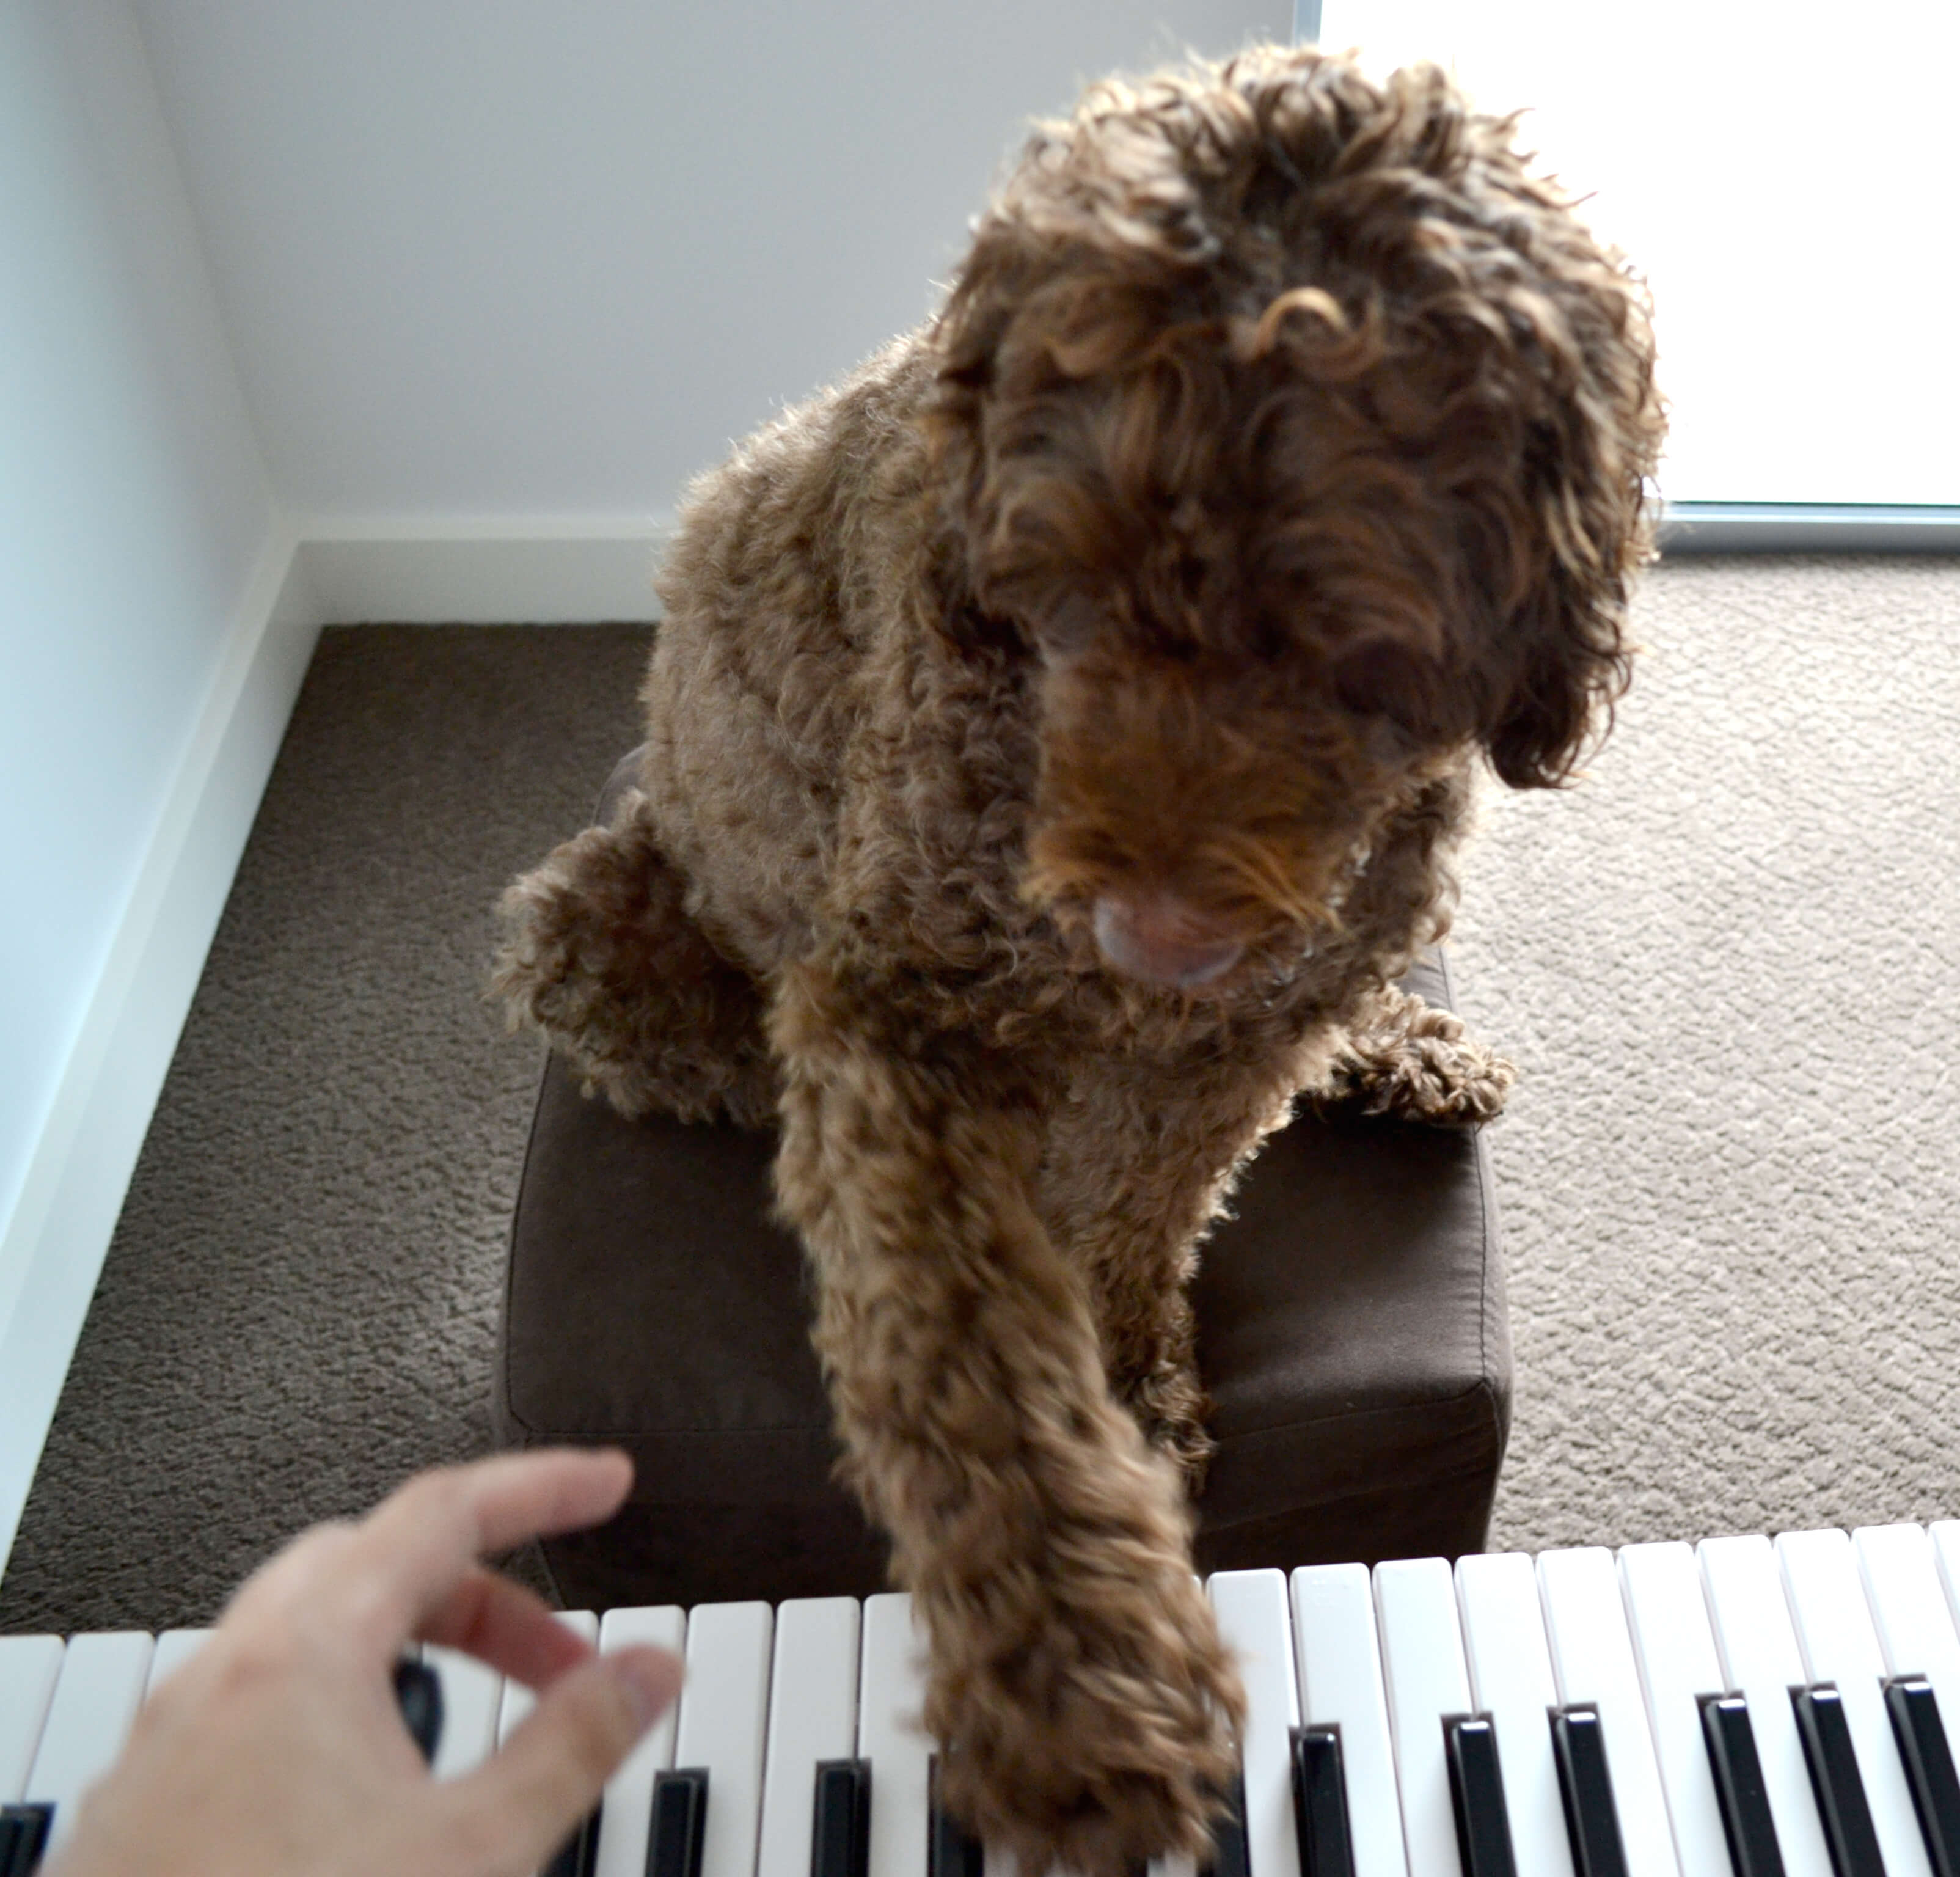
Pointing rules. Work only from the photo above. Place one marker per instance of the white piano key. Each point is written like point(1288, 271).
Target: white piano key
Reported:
point(1944, 1534)
point(891, 1693)
point(1340, 1680)
point(724, 1713)
point(1834, 1633)
point(517, 1700)
point(1915, 1630)
point(1761, 1661)
point(1675, 1650)
point(1592, 1661)
point(473, 1698)
point(813, 1716)
point(1253, 1620)
point(28, 1667)
point(174, 1648)
point(625, 1815)
point(1422, 1660)
point(96, 1697)
point(1511, 1678)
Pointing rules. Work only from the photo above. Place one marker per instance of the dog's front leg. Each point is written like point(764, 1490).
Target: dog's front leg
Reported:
point(1077, 1687)
point(1139, 1159)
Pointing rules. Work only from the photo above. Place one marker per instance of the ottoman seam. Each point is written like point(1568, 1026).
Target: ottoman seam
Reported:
point(1483, 1209)
point(1481, 1385)
point(511, 1257)
point(1451, 1476)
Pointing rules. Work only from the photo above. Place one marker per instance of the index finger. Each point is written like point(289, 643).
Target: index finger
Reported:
point(422, 1541)
point(502, 1624)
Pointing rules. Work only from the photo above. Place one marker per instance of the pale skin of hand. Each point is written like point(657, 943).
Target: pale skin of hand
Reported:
point(278, 1749)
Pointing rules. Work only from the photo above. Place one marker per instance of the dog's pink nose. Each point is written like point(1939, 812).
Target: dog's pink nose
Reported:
point(1157, 937)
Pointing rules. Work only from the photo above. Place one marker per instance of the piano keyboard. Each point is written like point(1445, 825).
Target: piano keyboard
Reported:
point(1763, 1708)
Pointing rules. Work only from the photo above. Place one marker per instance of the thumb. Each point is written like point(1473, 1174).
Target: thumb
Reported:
point(529, 1795)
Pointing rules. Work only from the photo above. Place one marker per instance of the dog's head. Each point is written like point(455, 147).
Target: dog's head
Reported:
point(1303, 436)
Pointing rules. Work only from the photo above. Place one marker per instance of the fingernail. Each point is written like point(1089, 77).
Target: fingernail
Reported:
point(651, 1678)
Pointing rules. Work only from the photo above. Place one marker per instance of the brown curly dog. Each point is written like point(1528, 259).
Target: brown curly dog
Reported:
point(1058, 737)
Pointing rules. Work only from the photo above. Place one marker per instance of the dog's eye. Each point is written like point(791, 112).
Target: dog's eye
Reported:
point(1068, 628)
point(1383, 680)
point(1269, 639)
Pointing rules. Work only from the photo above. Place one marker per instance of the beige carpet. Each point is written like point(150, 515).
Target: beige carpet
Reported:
point(1727, 964)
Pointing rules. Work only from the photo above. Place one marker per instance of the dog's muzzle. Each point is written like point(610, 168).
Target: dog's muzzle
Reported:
point(1158, 938)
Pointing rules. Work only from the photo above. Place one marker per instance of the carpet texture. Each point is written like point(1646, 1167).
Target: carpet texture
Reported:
point(299, 1305)
point(1728, 966)
point(1725, 963)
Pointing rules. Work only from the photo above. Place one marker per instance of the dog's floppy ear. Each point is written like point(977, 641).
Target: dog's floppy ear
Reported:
point(1027, 319)
point(963, 340)
point(1563, 658)
point(1074, 272)
point(966, 337)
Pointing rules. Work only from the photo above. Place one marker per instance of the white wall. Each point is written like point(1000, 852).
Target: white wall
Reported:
point(134, 505)
point(539, 258)
point(142, 561)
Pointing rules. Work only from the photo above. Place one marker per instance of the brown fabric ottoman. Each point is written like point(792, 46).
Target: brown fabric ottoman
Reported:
point(1351, 1331)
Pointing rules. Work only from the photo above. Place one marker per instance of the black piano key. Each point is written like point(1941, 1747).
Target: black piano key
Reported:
point(1585, 1784)
point(1477, 1796)
point(680, 1823)
point(1231, 1856)
point(1740, 1794)
point(951, 1850)
point(1320, 1803)
point(23, 1838)
point(841, 1819)
point(1929, 1769)
point(419, 1694)
point(1833, 1760)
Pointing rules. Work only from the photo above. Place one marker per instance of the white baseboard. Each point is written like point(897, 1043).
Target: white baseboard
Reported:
point(488, 573)
point(1808, 528)
point(52, 1247)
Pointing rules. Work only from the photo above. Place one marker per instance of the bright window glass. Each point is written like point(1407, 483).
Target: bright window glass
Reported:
point(1786, 176)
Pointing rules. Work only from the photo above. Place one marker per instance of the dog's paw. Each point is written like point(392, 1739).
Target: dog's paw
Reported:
point(1424, 1068)
point(598, 952)
point(1099, 1738)
point(1442, 1083)
point(572, 927)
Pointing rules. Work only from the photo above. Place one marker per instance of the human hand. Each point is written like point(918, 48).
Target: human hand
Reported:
point(278, 1750)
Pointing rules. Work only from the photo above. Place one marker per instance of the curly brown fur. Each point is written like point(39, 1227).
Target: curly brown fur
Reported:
point(1398, 1057)
point(1062, 729)
point(601, 954)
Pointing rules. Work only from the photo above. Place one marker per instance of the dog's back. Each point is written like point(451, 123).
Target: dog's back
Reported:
point(792, 561)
